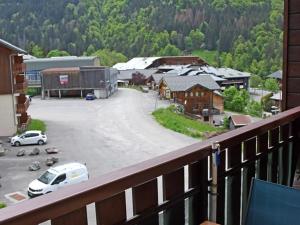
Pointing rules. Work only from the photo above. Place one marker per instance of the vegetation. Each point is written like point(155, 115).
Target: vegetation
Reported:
point(56, 52)
point(272, 85)
point(181, 124)
point(33, 91)
point(211, 57)
point(37, 125)
point(246, 35)
point(267, 102)
point(239, 101)
point(256, 81)
point(2, 205)
point(107, 57)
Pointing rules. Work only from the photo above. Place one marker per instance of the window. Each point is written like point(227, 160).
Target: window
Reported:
point(192, 94)
point(186, 94)
point(197, 93)
point(46, 178)
point(59, 179)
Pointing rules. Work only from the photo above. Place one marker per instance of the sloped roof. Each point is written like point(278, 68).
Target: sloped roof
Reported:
point(240, 120)
point(276, 75)
point(60, 62)
point(226, 73)
point(183, 83)
point(61, 70)
point(127, 74)
point(277, 96)
point(12, 47)
point(181, 71)
point(158, 76)
point(136, 63)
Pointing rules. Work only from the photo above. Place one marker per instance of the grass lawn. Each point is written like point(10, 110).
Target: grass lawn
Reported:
point(182, 124)
point(208, 56)
point(37, 125)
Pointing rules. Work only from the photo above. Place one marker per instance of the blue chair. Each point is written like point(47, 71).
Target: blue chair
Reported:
point(272, 204)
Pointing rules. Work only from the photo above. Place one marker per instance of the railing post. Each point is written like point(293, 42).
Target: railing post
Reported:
point(214, 183)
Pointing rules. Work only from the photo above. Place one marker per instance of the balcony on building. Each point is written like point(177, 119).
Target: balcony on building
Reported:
point(18, 66)
point(22, 104)
point(21, 84)
point(23, 121)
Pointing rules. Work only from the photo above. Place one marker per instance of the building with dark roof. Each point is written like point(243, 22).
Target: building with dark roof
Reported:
point(34, 66)
point(135, 76)
point(237, 121)
point(276, 75)
point(79, 81)
point(195, 93)
point(13, 101)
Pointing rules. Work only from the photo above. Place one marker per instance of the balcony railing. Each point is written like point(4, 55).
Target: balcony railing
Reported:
point(23, 106)
point(19, 68)
point(21, 84)
point(34, 83)
point(23, 122)
point(267, 149)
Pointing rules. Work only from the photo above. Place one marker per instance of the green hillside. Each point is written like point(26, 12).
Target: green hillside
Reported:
point(250, 31)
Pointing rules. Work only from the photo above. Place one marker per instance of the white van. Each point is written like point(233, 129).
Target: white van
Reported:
point(58, 177)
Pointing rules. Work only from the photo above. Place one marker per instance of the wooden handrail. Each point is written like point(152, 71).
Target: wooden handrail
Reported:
point(98, 189)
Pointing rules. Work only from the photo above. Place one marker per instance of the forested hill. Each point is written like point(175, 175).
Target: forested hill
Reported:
point(248, 31)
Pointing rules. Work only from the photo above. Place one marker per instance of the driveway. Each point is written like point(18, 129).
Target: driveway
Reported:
point(105, 134)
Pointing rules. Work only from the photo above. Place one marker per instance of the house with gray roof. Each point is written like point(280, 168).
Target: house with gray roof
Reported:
point(232, 77)
point(277, 75)
point(135, 76)
point(195, 93)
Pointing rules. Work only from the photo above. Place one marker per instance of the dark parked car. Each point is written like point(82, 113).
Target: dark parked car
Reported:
point(90, 96)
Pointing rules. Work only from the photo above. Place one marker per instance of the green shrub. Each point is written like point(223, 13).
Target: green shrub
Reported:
point(254, 108)
point(37, 125)
point(2, 205)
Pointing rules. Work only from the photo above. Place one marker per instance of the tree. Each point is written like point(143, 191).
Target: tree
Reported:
point(238, 103)
point(255, 81)
point(254, 108)
point(170, 50)
point(56, 53)
point(37, 51)
point(109, 58)
point(272, 85)
point(229, 94)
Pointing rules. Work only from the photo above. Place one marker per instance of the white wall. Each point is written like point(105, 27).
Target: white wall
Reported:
point(7, 116)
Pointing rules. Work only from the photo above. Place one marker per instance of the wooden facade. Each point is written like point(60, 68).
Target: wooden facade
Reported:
point(291, 67)
point(6, 82)
point(13, 82)
point(195, 99)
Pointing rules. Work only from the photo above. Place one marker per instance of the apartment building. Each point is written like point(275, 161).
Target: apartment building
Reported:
point(13, 101)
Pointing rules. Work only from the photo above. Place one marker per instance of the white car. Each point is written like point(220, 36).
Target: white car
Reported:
point(29, 138)
point(58, 177)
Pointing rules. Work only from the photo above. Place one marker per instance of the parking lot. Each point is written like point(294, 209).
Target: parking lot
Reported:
point(105, 134)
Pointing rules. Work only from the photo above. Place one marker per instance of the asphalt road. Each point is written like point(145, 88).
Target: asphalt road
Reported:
point(105, 134)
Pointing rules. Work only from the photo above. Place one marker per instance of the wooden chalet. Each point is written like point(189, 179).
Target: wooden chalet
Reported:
point(195, 93)
point(13, 101)
point(183, 186)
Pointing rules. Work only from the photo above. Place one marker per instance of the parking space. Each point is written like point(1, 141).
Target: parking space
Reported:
point(105, 134)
